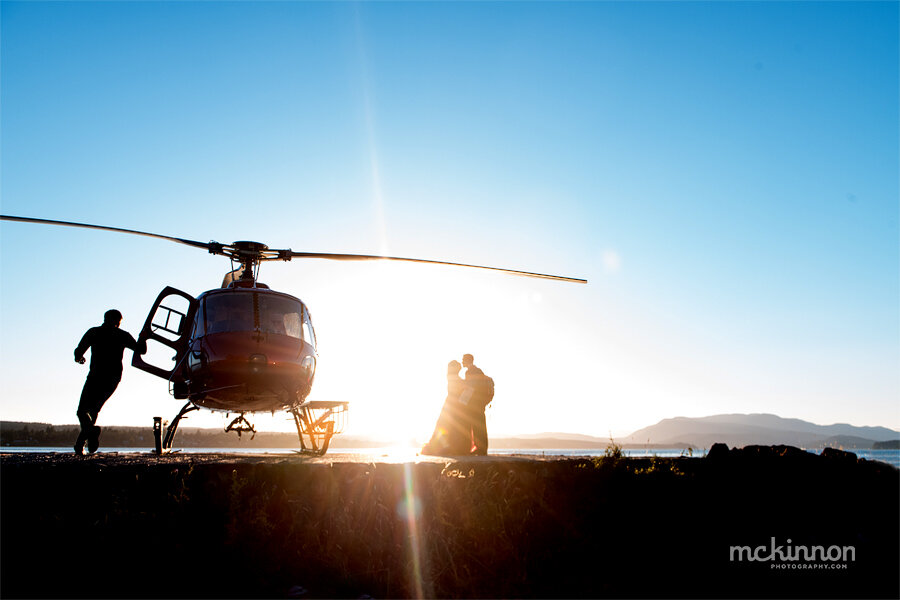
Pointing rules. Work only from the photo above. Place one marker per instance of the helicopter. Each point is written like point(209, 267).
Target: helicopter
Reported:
point(244, 348)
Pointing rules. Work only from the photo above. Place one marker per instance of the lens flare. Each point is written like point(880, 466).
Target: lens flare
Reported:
point(410, 509)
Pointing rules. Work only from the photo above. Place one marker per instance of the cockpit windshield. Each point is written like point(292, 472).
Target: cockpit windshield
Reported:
point(229, 312)
point(279, 315)
point(251, 311)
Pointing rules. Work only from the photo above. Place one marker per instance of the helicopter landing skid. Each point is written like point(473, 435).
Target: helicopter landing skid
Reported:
point(316, 423)
point(163, 445)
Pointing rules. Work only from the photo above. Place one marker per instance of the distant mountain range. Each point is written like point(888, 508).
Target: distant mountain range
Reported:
point(742, 430)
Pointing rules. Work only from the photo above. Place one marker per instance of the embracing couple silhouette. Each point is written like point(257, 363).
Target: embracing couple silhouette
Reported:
point(461, 428)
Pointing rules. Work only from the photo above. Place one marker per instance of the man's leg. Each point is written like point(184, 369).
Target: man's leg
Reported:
point(79, 442)
point(98, 390)
point(479, 432)
point(84, 413)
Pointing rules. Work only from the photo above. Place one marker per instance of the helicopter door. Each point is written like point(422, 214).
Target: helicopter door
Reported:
point(166, 332)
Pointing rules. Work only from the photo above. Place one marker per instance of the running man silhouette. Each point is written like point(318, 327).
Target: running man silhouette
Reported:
point(107, 344)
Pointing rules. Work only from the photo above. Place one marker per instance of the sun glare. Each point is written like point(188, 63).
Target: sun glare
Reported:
point(386, 349)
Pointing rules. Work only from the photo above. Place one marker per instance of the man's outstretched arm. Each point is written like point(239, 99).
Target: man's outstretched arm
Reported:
point(138, 348)
point(82, 347)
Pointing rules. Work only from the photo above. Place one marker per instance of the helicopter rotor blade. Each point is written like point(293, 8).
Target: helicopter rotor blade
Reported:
point(204, 245)
point(330, 256)
point(253, 252)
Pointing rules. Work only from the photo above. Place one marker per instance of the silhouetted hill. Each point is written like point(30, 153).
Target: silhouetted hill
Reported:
point(888, 445)
point(16, 433)
point(556, 435)
point(548, 443)
point(743, 430)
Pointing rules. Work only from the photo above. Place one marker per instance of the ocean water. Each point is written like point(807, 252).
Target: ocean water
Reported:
point(891, 457)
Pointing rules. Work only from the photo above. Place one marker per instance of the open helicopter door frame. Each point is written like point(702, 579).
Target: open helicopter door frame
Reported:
point(171, 328)
point(168, 326)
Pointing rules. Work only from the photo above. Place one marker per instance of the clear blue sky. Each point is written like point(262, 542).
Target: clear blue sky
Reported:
point(725, 175)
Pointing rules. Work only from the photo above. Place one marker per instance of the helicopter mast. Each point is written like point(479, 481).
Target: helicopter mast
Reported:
point(249, 255)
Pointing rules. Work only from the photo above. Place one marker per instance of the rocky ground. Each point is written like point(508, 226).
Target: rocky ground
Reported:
point(209, 525)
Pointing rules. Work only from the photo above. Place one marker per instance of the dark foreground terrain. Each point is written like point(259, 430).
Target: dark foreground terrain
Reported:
point(275, 526)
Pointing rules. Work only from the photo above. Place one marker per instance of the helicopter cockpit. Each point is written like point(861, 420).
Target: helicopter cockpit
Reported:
point(252, 311)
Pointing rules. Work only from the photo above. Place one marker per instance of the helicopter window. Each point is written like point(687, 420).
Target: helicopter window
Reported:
point(308, 333)
point(229, 312)
point(169, 317)
point(199, 323)
point(279, 315)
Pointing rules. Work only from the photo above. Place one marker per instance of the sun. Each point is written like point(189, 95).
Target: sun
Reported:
point(385, 338)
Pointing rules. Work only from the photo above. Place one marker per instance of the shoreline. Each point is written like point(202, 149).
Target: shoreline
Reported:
point(399, 454)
